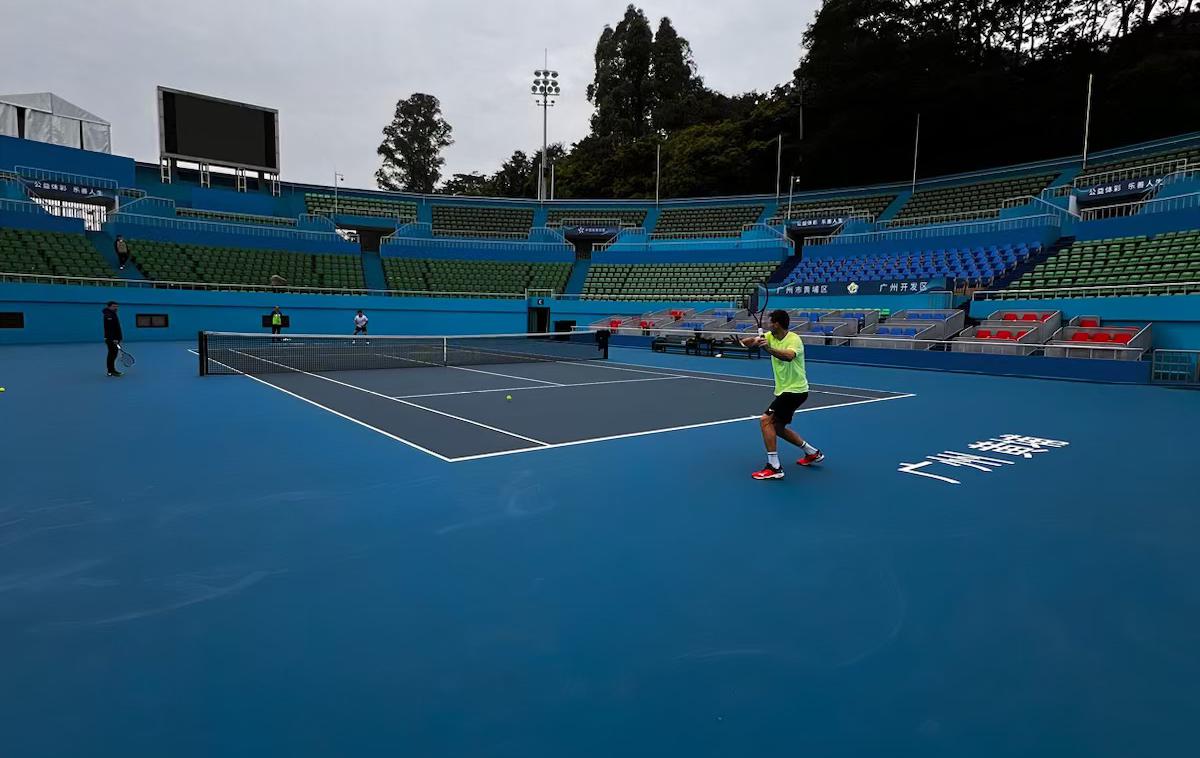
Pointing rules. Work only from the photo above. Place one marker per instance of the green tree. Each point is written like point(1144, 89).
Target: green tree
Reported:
point(622, 90)
point(474, 184)
point(675, 87)
point(411, 151)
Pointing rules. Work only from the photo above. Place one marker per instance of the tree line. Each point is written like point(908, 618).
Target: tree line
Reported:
point(994, 82)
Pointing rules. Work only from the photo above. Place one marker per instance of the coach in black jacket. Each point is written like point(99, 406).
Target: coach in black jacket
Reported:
point(112, 336)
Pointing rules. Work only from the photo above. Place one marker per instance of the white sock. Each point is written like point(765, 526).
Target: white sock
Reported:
point(809, 448)
point(773, 459)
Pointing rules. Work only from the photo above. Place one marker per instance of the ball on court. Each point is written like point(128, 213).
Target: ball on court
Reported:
point(1, 389)
point(508, 397)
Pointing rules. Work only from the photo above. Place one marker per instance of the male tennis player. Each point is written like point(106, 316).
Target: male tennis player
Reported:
point(276, 322)
point(791, 390)
point(360, 323)
point(112, 335)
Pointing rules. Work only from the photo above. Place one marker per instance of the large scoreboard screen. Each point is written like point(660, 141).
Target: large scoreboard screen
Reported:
point(205, 129)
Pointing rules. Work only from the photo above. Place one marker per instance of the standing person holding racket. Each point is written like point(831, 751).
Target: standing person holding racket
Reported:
point(791, 390)
point(112, 335)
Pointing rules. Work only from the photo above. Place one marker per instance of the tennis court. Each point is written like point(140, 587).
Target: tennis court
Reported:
point(507, 395)
point(196, 566)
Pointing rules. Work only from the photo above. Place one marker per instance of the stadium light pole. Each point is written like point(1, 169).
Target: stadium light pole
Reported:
point(1087, 123)
point(545, 91)
point(337, 179)
point(791, 188)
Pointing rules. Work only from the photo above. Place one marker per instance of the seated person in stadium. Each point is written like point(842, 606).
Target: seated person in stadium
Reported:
point(791, 390)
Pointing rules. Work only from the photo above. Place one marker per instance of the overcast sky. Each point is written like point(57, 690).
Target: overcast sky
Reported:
point(335, 68)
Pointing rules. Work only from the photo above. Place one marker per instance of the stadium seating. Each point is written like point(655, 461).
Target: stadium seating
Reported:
point(974, 265)
point(481, 221)
point(24, 251)
point(476, 276)
point(233, 218)
point(707, 219)
point(971, 198)
point(169, 261)
point(403, 212)
point(875, 205)
point(626, 281)
point(1161, 259)
point(626, 216)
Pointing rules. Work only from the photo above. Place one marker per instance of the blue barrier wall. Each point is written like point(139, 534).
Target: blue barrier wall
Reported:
point(447, 249)
point(254, 237)
point(68, 313)
point(1176, 318)
point(700, 253)
point(23, 152)
point(890, 302)
point(40, 221)
point(1131, 226)
point(932, 238)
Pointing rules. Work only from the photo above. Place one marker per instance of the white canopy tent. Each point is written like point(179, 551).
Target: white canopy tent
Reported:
point(46, 117)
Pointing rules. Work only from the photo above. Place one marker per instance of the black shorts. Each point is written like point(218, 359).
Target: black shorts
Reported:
point(360, 330)
point(784, 406)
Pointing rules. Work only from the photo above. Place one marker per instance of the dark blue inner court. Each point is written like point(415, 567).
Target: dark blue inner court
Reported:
point(208, 566)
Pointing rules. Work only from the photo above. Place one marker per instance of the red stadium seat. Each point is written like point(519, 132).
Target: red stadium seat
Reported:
point(1122, 338)
point(614, 323)
point(1101, 337)
point(983, 334)
point(1046, 316)
point(1022, 333)
point(1004, 334)
point(1090, 323)
point(1079, 337)
point(1029, 317)
point(644, 324)
point(1010, 317)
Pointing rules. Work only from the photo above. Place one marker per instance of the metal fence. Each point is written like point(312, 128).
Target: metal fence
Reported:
point(1110, 290)
point(149, 284)
point(944, 230)
point(1176, 367)
point(1157, 205)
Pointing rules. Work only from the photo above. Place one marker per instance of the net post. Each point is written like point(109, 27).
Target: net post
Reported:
point(445, 351)
point(202, 351)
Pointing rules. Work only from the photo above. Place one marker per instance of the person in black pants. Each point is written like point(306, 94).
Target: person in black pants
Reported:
point(121, 247)
point(112, 335)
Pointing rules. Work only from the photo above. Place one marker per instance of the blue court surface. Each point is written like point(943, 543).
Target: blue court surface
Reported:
point(227, 566)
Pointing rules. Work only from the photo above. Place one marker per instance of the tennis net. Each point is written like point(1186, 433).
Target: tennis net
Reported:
point(237, 353)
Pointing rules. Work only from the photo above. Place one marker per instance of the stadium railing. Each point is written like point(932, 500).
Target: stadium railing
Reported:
point(156, 284)
point(32, 173)
point(1156, 205)
point(973, 227)
point(1101, 290)
point(254, 230)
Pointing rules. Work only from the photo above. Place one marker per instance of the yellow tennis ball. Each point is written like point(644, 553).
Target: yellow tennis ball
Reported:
point(506, 397)
point(1, 389)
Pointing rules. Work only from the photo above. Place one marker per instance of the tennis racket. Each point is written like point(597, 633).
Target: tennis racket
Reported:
point(756, 299)
point(125, 357)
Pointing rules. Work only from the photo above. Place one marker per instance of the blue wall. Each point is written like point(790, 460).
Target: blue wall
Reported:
point(1131, 226)
point(326, 243)
point(22, 152)
point(41, 221)
point(932, 238)
point(890, 302)
point(60, 313)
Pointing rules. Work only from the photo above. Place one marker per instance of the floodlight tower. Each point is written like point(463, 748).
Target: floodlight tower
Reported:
point(545, 92)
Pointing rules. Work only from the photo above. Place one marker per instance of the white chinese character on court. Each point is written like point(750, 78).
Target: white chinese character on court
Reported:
point(911, 468)
point(904, 286)
point(807, 289)
point(924, 286)
point(893, 287)
point(978, 462)
point(1017, 445)
point(824, 289)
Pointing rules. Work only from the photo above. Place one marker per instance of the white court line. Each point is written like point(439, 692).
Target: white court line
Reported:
point(360, 422)
point(397, 400)
point(556, 386)
point(590, 440)
point(507, 376)
point(754, 381)
point(743, 376)
point(765, 382)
